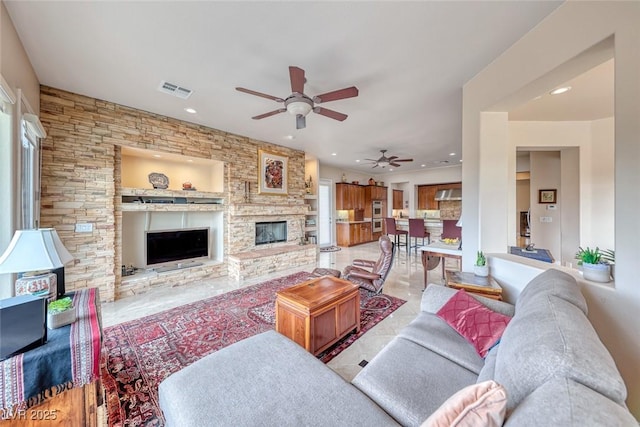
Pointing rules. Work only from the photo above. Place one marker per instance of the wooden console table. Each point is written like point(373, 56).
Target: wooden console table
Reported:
point(57, 383)
point(319, 312)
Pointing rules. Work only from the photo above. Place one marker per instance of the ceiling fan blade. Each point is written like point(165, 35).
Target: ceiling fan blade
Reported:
point(349, 92)
point(372, 160)
point(301, 122)
point(297, 79)
point(395, 164)
point(375, 166)
point(403, 160)
point(392, 157)
point(264, 95)
point(269, 114)
point(330, 113)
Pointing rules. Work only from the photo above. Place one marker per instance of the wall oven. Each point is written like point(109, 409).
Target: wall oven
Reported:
point(376, 211)
point(376, 225)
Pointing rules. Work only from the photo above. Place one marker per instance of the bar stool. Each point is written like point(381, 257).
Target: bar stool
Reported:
point(417, 231)
point(390, 224)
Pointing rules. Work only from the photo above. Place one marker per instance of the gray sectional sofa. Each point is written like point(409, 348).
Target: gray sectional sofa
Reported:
point(555, 370)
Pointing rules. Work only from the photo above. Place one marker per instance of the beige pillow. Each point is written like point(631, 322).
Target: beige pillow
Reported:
point(483, 404)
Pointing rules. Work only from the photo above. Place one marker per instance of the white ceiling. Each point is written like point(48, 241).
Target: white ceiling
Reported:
point(408, 59)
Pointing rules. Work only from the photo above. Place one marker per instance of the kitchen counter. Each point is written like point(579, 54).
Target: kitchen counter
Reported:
point(354, 222)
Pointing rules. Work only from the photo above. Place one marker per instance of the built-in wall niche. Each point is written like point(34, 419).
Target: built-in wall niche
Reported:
point(135, 224)
point(204, 175)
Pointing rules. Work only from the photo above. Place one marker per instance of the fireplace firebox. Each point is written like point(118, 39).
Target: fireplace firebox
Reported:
point(271, 232)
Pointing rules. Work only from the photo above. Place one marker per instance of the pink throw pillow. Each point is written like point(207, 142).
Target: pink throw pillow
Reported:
point(479, 325)
point(482, 404)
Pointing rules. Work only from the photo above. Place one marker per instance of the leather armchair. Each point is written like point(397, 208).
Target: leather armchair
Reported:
point(369, 274)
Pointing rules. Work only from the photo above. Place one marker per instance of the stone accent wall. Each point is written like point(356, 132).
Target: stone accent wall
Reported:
point(81, 177)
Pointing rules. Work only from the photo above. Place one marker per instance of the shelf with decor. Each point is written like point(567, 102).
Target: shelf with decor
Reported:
point(311, 218)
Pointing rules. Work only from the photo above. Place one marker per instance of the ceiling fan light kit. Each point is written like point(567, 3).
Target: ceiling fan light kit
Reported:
point(300, 104)
point(385, 161)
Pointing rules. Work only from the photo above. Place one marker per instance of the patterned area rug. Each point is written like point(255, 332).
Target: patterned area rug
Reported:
point(141, 353)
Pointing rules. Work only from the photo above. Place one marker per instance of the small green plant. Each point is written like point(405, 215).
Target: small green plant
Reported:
point(60, 305)
point(481, 260)
point(589, 256)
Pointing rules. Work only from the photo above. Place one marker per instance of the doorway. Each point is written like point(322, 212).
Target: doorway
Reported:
point(325, 219)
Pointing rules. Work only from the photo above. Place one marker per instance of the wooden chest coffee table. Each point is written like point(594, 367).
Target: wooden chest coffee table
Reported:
point(319, 312)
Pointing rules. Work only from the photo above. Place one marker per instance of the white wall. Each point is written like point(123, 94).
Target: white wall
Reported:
point(518, 75)
point(545, 174)
point(18, 73)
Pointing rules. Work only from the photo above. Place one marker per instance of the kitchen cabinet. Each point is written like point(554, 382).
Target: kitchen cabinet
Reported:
point(350, 234)
point(373, 193)
point(426, 197)
point(398, 199)
point(349, 196)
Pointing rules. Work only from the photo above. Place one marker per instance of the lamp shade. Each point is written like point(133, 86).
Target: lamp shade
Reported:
point(31, 250)
point(459, 223)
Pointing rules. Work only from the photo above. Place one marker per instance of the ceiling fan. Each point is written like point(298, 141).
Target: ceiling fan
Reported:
point(384, 161)
point(300, 104)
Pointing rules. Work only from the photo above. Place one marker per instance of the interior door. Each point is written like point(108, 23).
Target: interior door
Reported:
point(325, 218)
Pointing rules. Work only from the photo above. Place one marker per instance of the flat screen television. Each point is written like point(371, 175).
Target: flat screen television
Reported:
point(172, 246)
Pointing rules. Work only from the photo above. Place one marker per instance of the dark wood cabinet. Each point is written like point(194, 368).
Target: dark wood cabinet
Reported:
point(398, 199)
point(349, 196)
point(373, 193)
point(426, 197)
point(350, 234)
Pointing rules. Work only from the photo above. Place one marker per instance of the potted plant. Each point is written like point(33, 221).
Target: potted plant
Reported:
point(594, 268)
point(60, 313)
point(609, 256)
point(481, 268)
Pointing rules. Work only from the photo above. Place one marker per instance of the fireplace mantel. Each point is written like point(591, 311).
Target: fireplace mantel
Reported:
point(261, 209)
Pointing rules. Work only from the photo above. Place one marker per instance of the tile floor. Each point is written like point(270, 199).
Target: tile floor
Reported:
point(404, 281)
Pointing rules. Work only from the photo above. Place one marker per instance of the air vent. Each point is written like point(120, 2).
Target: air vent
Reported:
point(175, 90)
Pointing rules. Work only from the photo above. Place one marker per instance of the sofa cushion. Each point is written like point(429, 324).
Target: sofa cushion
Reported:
point(410, 382)
point(563, 402)
point(481, 404)
point(430, 331)
point(488, 371)
point(552, 282)
point(549, 339)
point(435, 296)
point(265, 380)
point(481, 326)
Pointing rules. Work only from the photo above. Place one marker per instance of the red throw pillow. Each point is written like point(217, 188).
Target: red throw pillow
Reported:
point(479, 325)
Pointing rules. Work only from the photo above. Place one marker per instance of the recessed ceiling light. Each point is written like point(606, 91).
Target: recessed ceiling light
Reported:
point(289, 137)
point(334, 154)
point(189, 160)
point(422, 166)
point(357, 160)
point(157, 155)
point(452, 154)
point(390, 170)
point(460, 160)
point(190, 110)
point(560, 90)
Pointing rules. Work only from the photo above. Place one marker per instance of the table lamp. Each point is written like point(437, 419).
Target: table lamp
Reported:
point(36, 250)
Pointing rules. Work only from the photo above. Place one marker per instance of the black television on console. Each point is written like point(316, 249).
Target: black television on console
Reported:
point(163, 247)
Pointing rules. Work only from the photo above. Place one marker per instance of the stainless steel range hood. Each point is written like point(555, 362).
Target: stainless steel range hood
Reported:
point(450, 194)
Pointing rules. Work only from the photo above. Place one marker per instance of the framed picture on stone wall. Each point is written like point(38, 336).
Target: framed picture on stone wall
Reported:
point(273, 171)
